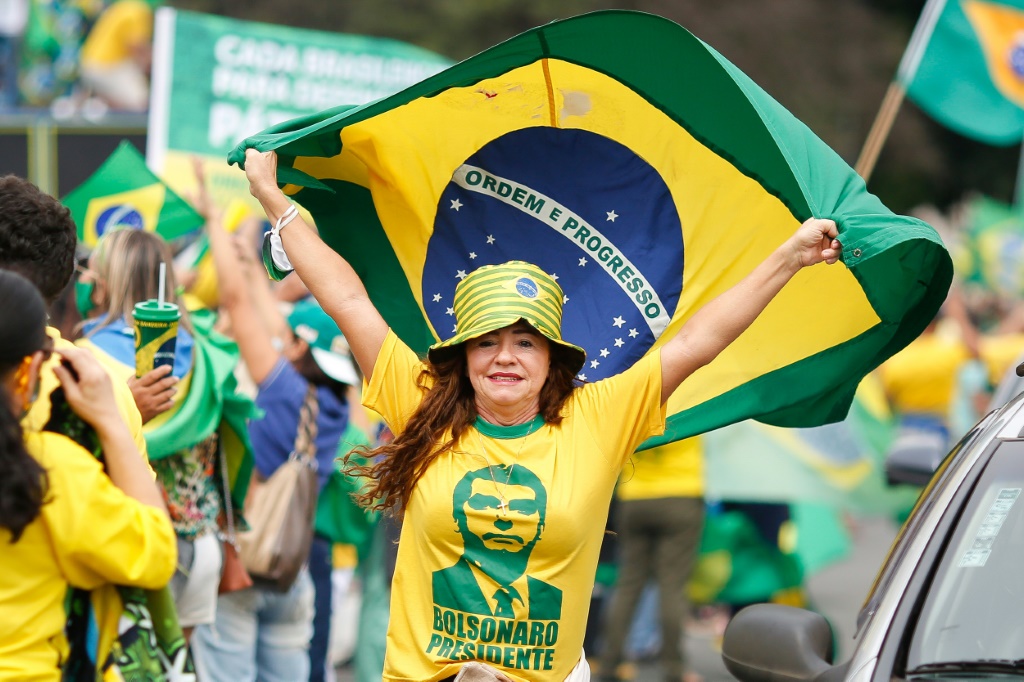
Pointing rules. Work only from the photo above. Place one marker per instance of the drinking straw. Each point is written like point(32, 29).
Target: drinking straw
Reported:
point(163, 273)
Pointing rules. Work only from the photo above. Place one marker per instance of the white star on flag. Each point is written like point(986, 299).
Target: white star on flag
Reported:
point(461, 274)
point(437, 297)
point(612, 215)
point(490, 239)
point(455, 329)
point(618, 321)
point(604, 353)
point(581, 377)
point(594, 364)
point(633, 333)
point(450, 311)
point(565, 299)
point(456, 204)
point(554, 276)
point(618, 343)
point(472, 255)
point(583, 261)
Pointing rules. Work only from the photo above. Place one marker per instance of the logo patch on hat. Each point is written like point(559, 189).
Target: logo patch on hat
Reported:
point(527, 288)
point(307, 333)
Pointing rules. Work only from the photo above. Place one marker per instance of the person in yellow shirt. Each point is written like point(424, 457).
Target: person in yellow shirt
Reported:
point(496, 398)
point(919, 382)
point(117, 55)
point(660, 519)
point(64, 521)
point(37, 240)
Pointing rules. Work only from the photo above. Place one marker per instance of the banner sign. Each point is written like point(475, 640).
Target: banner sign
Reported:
point(217, 80)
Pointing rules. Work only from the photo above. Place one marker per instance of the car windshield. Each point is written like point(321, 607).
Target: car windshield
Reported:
point(974, 610)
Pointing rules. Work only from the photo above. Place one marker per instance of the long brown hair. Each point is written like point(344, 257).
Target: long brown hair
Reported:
point(448, 405)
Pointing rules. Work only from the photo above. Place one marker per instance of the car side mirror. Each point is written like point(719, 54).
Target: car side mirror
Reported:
point(770, 642)
point(914, 458)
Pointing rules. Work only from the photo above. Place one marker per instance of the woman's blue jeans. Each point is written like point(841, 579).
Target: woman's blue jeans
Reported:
point(258, 636)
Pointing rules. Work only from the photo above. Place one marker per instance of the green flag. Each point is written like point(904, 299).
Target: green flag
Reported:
point(602, 149)
point(970, 76)
point(123, 192)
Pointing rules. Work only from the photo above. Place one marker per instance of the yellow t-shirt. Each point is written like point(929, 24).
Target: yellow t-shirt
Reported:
point(123, 25)
point(671, 470)
point(922, 376)
point(999, 353)
point(508, 585)
point(88, 533)
point(39, 413)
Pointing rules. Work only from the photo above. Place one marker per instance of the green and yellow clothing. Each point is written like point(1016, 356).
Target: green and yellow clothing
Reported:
point(509, 586)
point(89, 533)
point(39, 413)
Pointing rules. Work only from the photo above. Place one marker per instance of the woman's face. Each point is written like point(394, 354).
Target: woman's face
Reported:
point(507, 369)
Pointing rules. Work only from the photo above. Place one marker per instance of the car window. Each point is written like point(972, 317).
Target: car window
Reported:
point(974, 607)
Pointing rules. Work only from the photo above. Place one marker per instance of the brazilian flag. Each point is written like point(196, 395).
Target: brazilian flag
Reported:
point(647, 174)
point(124, 193)
point(971, 74)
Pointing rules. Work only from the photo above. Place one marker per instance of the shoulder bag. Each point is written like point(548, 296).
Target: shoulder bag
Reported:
point(280, 510)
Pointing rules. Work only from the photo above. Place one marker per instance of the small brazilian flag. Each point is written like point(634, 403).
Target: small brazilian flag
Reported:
point(646, 173)
point(123, 192)
point(971, 75)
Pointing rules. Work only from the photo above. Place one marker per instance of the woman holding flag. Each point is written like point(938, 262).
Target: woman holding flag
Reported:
point(501, 464)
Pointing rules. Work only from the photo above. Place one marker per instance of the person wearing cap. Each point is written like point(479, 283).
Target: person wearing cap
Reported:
point(497, 398)
point(260, 633)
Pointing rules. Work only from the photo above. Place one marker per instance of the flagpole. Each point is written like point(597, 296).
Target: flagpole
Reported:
point(897, 90)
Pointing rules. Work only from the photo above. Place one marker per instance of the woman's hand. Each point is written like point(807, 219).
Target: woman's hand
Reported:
point(815, 241)
point(154, 392)
point(261, 171)
point(88, 388)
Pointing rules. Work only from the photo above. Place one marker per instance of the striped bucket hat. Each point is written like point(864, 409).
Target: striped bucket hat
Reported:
point(496, 296)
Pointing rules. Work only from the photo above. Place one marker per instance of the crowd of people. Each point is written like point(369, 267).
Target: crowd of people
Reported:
point(87, 57)
point(490, 464)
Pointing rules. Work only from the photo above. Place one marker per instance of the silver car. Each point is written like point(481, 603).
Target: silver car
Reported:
point(948, 602)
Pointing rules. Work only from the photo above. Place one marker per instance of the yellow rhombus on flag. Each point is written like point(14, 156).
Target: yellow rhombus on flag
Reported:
point(628, 159)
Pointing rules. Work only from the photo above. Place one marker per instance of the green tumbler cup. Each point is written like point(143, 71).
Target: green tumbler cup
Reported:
point(156, 335)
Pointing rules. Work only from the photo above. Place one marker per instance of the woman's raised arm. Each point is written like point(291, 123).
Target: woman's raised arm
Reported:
point(721, 321)
point(329, 277)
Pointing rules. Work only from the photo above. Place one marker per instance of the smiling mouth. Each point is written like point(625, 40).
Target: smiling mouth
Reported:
point(505, 378)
